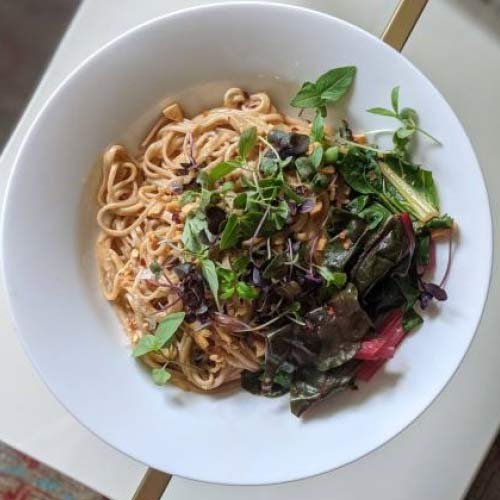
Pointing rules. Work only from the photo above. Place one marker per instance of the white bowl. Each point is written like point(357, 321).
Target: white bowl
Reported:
point(69, 330)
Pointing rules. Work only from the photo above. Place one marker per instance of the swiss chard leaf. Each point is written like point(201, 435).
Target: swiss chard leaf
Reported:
point(385, 249)
point(350, 235)
point(340, 326)
point(375, 215)
point(312, 386)
point(442, 222)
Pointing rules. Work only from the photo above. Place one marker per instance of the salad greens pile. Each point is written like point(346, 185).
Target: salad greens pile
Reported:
point(331, 308)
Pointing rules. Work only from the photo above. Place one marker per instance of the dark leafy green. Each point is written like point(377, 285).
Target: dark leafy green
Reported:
point(339, 327)
point(382, 253)
point(313, 386)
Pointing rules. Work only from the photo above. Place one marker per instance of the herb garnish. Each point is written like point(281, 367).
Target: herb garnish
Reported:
point(322, 237)
point(162, 337)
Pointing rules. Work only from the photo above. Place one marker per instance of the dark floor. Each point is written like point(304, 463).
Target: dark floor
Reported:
point(22, 61)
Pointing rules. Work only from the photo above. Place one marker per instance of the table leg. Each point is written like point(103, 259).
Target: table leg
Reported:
point(153, 485)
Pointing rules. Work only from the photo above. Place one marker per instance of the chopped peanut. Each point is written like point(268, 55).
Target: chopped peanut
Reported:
point(317, 208)
point(347, 244)
point(359, 138)
point(174, 112)
point(320, 246)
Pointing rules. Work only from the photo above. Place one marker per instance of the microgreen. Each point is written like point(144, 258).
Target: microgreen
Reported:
point(210, 274)
point(222, 169)
point(162, 337)
point(161, 375)
point(230, 234)
point(317, 128)
point(332, 278)
point(246, 291)
point(248, 139)
point(409, 123)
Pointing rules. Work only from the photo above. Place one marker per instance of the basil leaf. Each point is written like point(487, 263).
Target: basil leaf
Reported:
point(382, 112)
point(307, 97)
point(166, 329)
point(329, 88)
point(317, 129)
point(222, 169)
point(335, 83)
point(210, 274)
point(395, 99)
point(246, 291)
point(317, 156)
point(146, 344)
point(247, 141)
point(161, 376)
point(230, 233)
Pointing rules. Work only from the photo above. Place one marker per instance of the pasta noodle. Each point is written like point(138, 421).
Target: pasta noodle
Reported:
point(141, 221)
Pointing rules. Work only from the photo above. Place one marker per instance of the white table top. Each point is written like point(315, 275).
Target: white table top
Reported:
point(455, 44)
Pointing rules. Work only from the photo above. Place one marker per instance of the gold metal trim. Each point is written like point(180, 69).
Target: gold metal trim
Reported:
point(402, 22)
point(396, 33)
point(153, 485)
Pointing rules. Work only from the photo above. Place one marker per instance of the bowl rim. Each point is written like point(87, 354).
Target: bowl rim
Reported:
point(169, 17)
